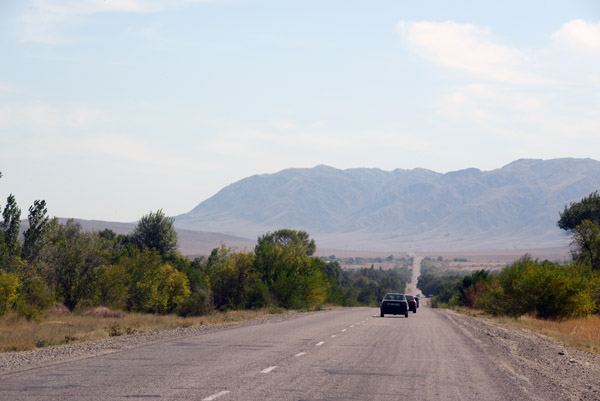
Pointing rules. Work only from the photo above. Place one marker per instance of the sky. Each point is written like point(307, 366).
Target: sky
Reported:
point(110, 109)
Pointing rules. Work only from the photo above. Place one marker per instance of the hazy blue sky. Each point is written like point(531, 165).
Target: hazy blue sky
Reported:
point(110, 109)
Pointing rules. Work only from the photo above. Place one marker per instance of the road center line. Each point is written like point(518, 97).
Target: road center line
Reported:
point(351, 326)
point(268, 370)
point(333, 335)
point(320, 343)
point(215, 396)
point(343, 329)
point(300, 354)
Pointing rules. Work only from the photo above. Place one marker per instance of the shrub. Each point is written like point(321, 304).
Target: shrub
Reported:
point(9, 287)
point(257, 292)
point(546, 289)
point(102, 311)
point(34, 297)
point(114, 285)
point(114, 330)
point(198, 303)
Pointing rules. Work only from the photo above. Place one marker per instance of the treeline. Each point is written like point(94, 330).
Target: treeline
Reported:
point(545, 289)
point(365, 260)
point(143, 272)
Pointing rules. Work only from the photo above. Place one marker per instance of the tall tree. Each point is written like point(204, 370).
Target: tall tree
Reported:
point(155, 231)
point(283, 260)
point(582, 219)
point(586, 244)
point(72, 261)
point(10, 226)
point(35, 235)
point(586, 209)
point(292, 238)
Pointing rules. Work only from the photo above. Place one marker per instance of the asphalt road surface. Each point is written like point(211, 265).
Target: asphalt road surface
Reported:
point(411, 288)
point(348, 354)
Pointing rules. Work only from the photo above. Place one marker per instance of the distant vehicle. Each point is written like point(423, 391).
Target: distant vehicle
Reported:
point(418, 300)
point(394, 304)
point(412, 304)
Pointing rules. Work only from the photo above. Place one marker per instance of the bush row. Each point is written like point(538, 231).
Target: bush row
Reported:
point(545, 289)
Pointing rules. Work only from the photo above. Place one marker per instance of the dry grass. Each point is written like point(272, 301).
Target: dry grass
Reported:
point(59, 327)
point(583, 333)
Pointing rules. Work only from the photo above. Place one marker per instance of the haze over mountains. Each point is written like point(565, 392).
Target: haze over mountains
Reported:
point(513, 207)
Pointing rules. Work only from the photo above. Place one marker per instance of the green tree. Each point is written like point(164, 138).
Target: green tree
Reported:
point(582, 220)
point(293, 238)
point(282, 259)
point(586, 243)
point(166, 288)
point(546, 289)
point(35, 235)
point(34, 296)
point(198, 303)
point(473, 287)
point(155, 286)
point(586, 209)
point(9, 227)
point(9, 291)
point(229, 273)
point(114, 285)
point(156, 231)
point(72, 260)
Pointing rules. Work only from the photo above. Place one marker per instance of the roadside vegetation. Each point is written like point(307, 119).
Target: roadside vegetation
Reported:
point(55, 266)
point(581, 333)
point(557, 299)
point(59, 326)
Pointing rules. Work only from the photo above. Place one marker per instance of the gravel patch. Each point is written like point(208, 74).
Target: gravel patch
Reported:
point(546, 369)
point(24, 360)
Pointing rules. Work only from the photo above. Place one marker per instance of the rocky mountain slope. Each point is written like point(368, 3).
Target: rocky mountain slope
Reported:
point(515, 206)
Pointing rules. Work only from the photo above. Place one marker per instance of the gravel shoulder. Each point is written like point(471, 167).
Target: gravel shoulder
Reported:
point(546, 369)
point(25, 360)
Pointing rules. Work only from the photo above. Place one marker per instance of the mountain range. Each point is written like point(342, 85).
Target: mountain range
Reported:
point(513, 207)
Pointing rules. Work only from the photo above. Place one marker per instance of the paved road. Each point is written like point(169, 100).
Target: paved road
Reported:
point(411, 288)
point(349, 354)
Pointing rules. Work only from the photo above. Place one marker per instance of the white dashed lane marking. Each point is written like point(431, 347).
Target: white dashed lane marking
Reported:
point(333, 335)
point(300, 354)
point(343, 329)
point(269, 369)
point(215, 396)
point(320, 343)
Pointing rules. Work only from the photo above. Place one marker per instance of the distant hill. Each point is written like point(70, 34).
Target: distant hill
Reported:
point(513, 207)
point(191, 243)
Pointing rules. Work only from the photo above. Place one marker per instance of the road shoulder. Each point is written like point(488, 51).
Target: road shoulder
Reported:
point(547, 369)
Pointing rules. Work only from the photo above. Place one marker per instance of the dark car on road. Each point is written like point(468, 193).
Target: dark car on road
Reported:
point(412, 304)
point(418, 300)
point(394, 304)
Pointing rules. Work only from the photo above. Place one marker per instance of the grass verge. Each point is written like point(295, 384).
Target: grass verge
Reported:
point(18, 334)
point(582, 333)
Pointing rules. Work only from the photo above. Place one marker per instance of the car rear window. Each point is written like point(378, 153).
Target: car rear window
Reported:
point(394, 297)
